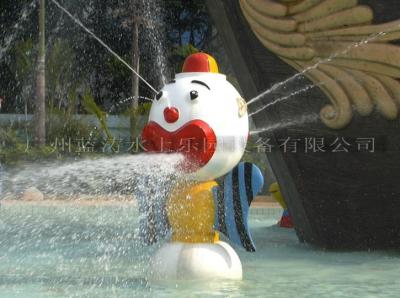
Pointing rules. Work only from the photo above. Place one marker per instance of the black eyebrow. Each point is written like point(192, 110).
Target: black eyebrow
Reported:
point(173, 81)
point(201, 83)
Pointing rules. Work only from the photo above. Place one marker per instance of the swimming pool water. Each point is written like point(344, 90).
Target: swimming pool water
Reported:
point(89, 251)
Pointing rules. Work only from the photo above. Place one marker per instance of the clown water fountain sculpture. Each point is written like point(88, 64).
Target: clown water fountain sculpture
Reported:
point(202, 116)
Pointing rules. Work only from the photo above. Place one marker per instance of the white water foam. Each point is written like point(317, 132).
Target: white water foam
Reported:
point(117, 175)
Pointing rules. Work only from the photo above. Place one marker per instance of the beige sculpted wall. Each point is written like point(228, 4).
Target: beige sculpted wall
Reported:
point(345, 55)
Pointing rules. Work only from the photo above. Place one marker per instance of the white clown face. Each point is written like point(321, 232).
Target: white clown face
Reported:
point(202, 116)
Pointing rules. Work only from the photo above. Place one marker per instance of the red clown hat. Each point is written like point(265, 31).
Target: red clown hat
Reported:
point(200, 62)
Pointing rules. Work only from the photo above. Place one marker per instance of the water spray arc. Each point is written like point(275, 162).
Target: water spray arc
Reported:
point(78, 22)
point(311, 118)
point(305, 89)
point(308, 69)
point(307, 118)
point(200, 105)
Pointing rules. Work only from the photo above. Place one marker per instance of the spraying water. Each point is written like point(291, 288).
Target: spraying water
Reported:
point(305, 89)
point(155, 33)
point(314, 66)
point(148, 179)
point(311, 118)
point(126, 100)
point(25, 13)
point(115, 175)
point(78, 22)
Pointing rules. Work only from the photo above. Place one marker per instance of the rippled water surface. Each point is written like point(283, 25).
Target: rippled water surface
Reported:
point(92, 251)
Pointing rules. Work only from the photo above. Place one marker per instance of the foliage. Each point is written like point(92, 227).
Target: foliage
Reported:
point(92, 108)
point(144, 109)
point(180, 54)
point(185, 50)
point(76, 62)
point(8, 137)
point(59, 78)
point(23, 66)
point(188, 23)
point(24, 59)
point(66, 138)
point(14, 148)
point(68, 127)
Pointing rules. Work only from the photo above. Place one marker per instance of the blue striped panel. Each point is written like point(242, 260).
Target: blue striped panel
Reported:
point(244, 201)
point(231, 228)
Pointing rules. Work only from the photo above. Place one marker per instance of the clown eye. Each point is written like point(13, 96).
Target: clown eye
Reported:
point(194, 94)
point(159, 95)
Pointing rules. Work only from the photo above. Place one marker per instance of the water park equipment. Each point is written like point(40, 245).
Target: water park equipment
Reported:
point(202, 116)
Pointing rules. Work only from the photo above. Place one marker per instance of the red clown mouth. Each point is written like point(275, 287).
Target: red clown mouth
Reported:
point(196, 140)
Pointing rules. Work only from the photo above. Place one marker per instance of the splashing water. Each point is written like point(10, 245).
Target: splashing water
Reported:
point(285, 124)
point(126, 100)
point(78, 22)
point(25, 13)
point(117, 175)
point(155, 32)
point(305, 89)
point(148, 179)
point(277, 86)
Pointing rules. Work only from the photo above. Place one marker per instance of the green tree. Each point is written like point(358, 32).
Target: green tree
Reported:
point(59, 68)
point(23, 67)
point(135, 8)
point(188, 22)
point(92, 108)
point(40, 107)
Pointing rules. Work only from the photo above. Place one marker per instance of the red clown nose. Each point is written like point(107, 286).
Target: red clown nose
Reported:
point(171, 115)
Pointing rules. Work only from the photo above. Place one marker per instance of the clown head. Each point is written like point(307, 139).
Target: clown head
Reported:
point(201, 115)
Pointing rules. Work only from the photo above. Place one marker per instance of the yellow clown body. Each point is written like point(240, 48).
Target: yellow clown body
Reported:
point(191, 212)
point(195, 251)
